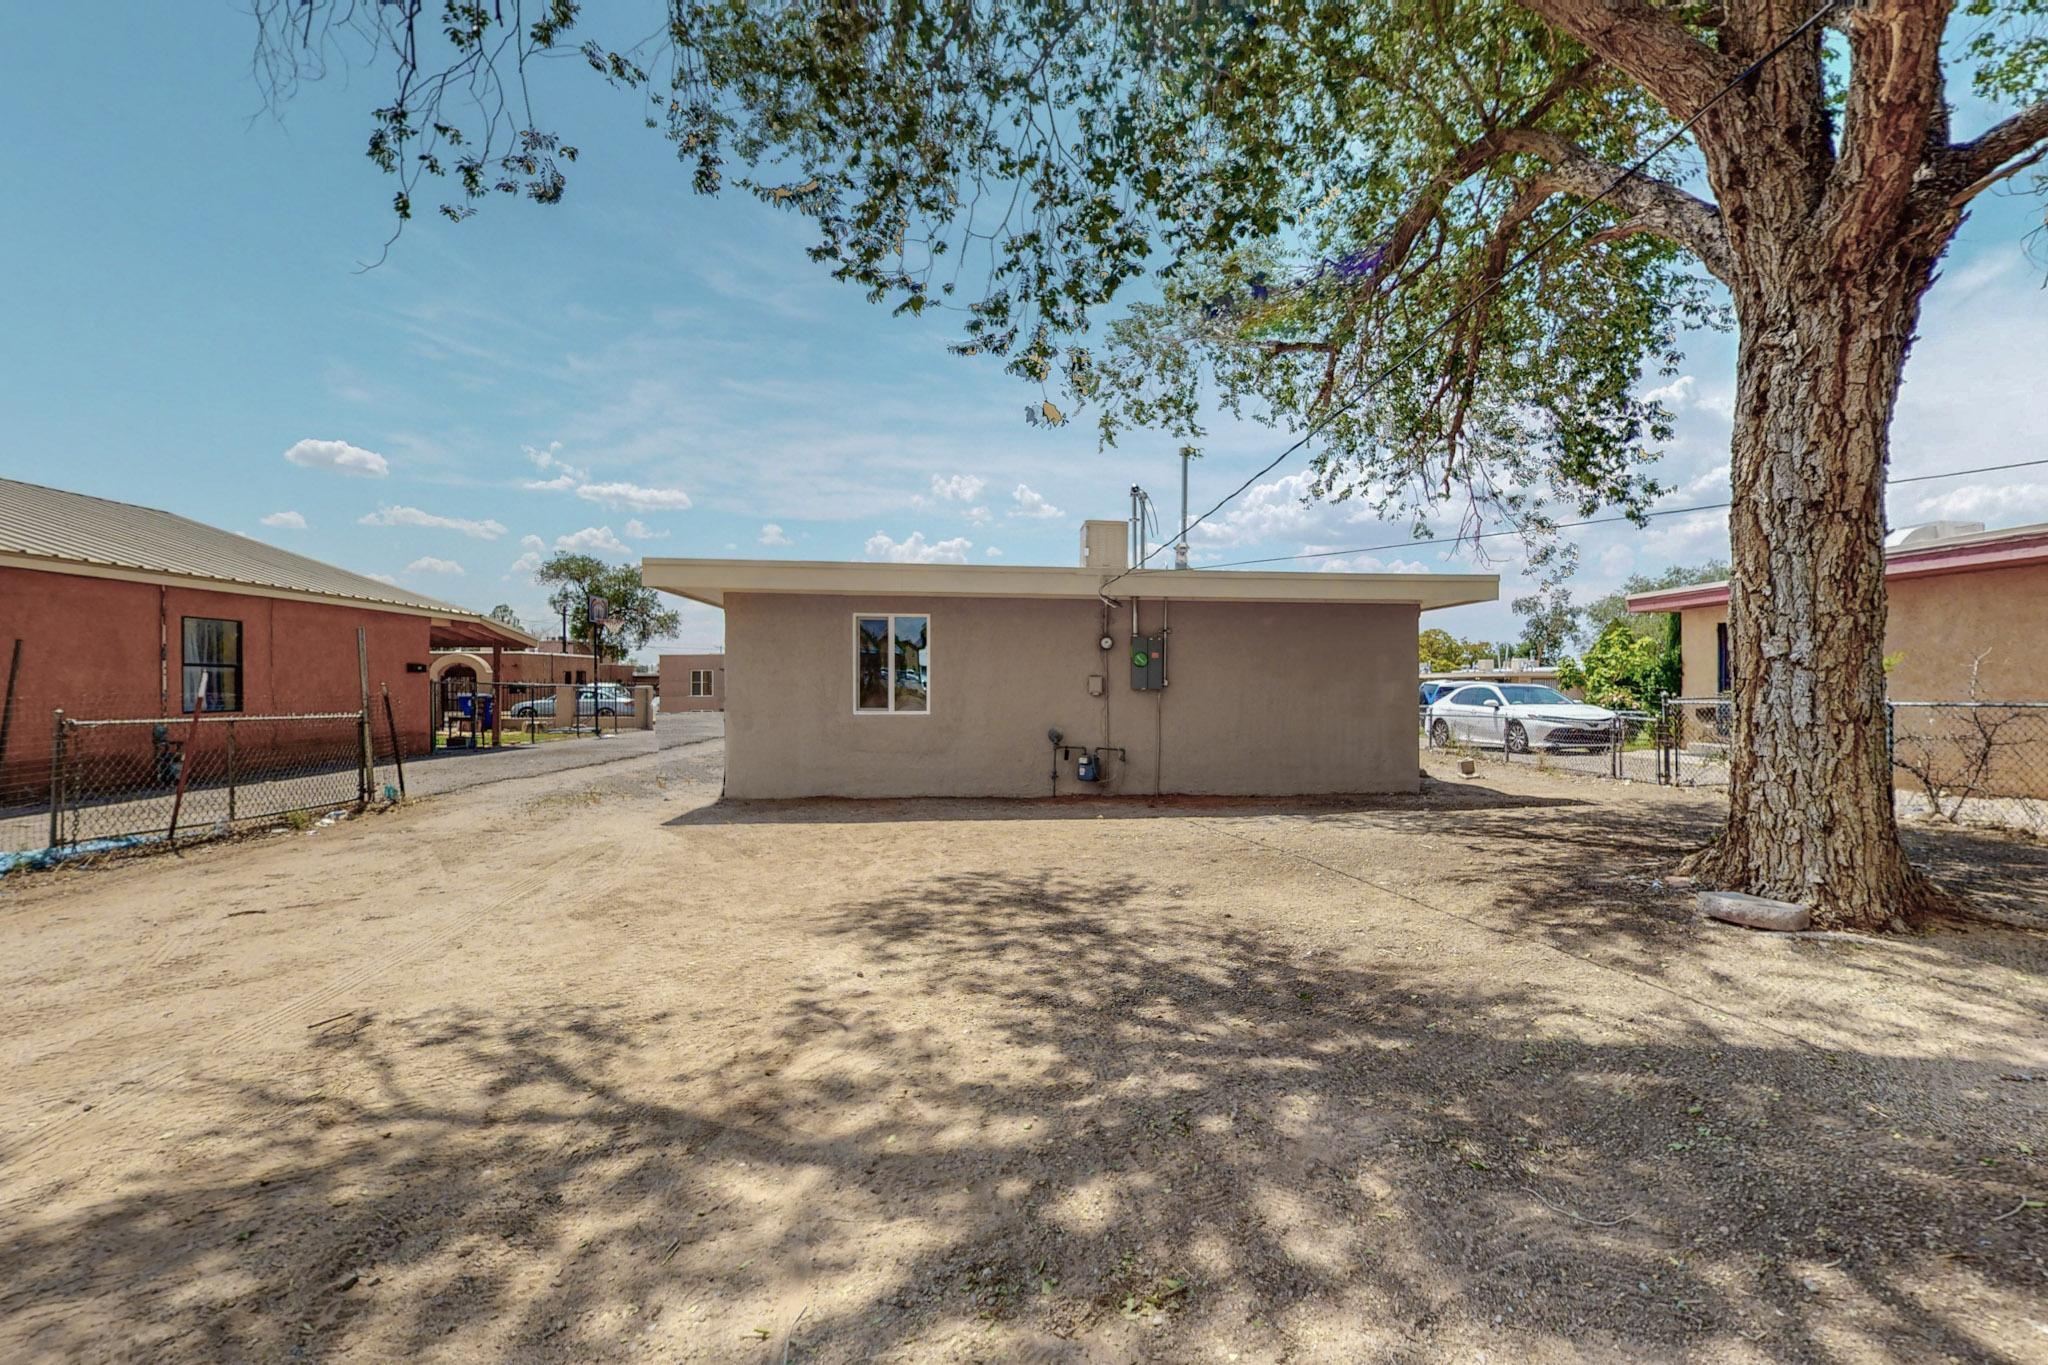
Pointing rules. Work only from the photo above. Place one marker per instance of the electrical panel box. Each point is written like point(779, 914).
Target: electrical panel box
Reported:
point(1148, 663)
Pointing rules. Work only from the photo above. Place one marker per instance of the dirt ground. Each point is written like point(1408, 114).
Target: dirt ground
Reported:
point(590, 1067)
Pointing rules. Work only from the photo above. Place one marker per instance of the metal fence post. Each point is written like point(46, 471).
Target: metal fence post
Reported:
point(397, 750)
point(366, 761)
point(57, 778)
point(1664, 743)
point(231, 772)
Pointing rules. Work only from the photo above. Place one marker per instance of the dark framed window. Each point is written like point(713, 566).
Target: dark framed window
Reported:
point(892, 664)
point(212, 658)
point(700, 682)
point(1724, 667)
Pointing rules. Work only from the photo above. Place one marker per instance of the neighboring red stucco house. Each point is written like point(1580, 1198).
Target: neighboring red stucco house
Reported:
point(1963, 604)
point(128, 612)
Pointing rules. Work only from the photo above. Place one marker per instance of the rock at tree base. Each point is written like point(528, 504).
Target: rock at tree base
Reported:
point(1756, 912)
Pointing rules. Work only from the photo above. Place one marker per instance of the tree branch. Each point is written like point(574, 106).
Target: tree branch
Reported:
point(1654, 206)
point(1654, 49)
point(1965, 170)
point(1894, 93)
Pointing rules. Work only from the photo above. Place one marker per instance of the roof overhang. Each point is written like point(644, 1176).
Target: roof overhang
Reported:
point(476, 632)
point(461, 629)
point(2010, 549)
point(710, 580)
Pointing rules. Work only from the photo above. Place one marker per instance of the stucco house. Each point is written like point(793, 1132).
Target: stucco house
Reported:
point(886, 679)
point(692, 682)
point(128, 612)
point(1959, 597)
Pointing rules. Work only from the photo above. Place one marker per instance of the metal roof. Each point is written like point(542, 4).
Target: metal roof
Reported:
point(52, 529)
point(709, 580)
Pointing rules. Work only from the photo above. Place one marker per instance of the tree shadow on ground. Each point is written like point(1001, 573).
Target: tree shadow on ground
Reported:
point(1047, 1115)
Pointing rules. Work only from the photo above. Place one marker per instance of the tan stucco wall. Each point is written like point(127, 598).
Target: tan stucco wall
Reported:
point(1698, 653)
point(675, 682)
point(1263, 699)
point(1936, 626)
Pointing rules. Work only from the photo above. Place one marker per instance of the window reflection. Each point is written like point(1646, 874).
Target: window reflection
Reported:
point(871, 677)
point(912, 679)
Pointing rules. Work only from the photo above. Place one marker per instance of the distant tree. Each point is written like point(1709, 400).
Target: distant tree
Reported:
point(1441, 651)
point(1549, 623)
point(503, 612)
point(638, 613)
point(1622, 669)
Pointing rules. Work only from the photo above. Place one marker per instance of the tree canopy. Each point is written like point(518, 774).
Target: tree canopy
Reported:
point(638, 613)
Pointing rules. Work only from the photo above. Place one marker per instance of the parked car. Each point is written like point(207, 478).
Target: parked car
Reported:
point(592, 699)
point(1518, 717)
point(1431, 691)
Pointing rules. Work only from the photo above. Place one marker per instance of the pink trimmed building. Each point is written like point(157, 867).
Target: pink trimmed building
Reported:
point(1959, 596)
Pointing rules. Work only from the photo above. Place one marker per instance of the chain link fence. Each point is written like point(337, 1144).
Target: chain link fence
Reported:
point(106, 784)
point(1623, 745)
point(1977, 763)
point(1972, 763)
point(473, 715)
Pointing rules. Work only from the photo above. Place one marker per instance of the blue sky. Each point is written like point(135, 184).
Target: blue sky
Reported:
point(644, 371)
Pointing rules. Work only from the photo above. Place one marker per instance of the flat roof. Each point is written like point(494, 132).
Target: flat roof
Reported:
point(57, 531)
point(2010, 548)
point(709, 580)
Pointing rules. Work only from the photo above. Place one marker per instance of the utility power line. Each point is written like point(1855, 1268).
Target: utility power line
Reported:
point(1595, 521)
point(1569, 223)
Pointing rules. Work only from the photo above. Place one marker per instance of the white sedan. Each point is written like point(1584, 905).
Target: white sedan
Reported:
point(1518, 717)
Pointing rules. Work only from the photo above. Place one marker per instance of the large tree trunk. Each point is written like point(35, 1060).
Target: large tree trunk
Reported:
point(1810, 814)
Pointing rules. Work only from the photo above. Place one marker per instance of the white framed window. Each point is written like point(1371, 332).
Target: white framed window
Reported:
point(892, 664)
point(700, 682)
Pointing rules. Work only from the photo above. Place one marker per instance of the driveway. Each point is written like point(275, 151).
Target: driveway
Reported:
point(588, 1066)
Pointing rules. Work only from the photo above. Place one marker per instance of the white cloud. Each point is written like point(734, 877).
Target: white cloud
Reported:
point(1370, 564)
point(980, 516)
point(561, 483)
point(429, 564)
point(383, 578)
point(993, 553)
point(1032, 504)
point(544, 460)
point(533, 543)
point(413, 516)
point(957, 487)
point(1671, 395)
point(640, 530)
point(527, 565)
point(914, 549)
point(1994, 504)
point(290, 521)
point(1280, 510)
point(771, 534)
point(591, 539)
point(633, 495)
point(339, 456)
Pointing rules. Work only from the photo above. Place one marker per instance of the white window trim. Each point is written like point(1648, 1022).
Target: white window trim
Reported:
point(889, 654)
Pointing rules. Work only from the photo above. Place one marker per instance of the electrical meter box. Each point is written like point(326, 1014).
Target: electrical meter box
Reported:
point(1148, 663)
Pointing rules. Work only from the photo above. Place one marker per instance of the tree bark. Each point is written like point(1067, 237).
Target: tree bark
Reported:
point(1810, 816)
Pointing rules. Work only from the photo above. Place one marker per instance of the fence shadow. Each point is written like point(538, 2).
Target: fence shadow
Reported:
point(1040, 1113)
